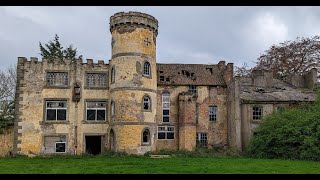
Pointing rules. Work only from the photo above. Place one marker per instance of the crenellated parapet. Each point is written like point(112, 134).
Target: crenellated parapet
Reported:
point(64, 64)
point(133, 19)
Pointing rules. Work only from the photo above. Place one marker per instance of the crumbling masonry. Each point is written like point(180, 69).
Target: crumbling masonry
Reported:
point(136, 105)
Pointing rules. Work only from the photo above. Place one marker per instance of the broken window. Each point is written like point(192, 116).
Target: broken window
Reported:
point(112, 108)
point(146, 103)
point(256, 113)
point(57, 79)
point(165, 107)
point(97, 80)
point(202, 140)
point(113, 74)
point(96, 110)
point(193, 89)
point(55, 144)
point(213, 113)
point(165, 132)
point(161, 78)
point(56, 110)
point(146, 69)
point(146, 137)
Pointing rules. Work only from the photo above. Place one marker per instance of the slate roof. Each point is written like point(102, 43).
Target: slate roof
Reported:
point(280, 91)
point(190, 74)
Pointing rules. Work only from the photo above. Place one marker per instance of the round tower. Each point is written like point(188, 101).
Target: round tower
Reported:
point(133, 82)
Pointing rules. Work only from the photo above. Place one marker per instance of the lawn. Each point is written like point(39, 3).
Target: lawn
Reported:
point(147, 165)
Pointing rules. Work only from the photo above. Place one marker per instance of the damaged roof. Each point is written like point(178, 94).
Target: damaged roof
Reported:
point(190, 74)
point(279, 92)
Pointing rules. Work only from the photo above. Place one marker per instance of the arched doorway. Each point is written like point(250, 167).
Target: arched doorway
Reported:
point(112, 140)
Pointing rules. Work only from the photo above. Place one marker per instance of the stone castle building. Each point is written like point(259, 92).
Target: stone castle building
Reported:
point(136, 105)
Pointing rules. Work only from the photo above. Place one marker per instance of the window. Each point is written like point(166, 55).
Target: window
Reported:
point(146, 103)
point(56, 110)
point(96, 79)
point(112, 108)
point(165, 132)
point(202, 140)
point(57, 79)
point(257, 113)
point(213, 113)
point(113, 74)
point(55, 144)
point(96, 110)
point(60, 147)
point(165, 107)
point(146, 69)
point(146, 137)
point(193, 89)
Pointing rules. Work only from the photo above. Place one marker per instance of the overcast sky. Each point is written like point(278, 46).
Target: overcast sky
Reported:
point(202, 35)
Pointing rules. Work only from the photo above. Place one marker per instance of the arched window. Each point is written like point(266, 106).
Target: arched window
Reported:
point(113, 74)
point(146, 69)
point(146, 103)
point(145, 137)
point(112, 108)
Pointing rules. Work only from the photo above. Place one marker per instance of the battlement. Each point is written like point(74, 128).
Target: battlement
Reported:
point(133, 19)
point(23, 61)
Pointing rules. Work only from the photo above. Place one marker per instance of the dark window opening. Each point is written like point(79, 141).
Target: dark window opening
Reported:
point(146, 103)
point(193, 89)
point(146, 137)
point(202, 140)
point(161, 78)
point(257, 113)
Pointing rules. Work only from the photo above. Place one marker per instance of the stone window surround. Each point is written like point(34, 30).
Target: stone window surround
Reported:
point(85, 121)
point(46, 86)
point(95, 72)
point(113, 74)
point(149, 138)
point(166, 131)
point(44, 119)
point(55, 135)
point(257, 115)
point(150, 103)
point(147, 76)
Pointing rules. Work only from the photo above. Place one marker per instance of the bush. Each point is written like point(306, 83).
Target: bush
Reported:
point(289, 134)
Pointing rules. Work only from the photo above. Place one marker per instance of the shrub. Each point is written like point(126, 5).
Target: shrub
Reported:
point(292, 133)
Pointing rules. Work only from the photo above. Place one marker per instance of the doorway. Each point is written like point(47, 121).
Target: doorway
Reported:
point(93, 145)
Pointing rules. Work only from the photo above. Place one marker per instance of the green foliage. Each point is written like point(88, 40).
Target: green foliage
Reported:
point(54, 51)
point(290, 134)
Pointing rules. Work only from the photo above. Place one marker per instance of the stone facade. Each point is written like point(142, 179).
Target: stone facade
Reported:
point(131, 103)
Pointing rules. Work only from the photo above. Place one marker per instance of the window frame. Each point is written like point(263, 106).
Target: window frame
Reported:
point(164, 94)
point(96, 80)
point(193, 89)
point(55, 100)
point(96, 109)
point(255, 115)
point(200, 141)
point(65, 147)
point(166, 131)
point(213, 117)
point(149, 137)
point(150, 103)
point(57, 86)
point(143, 69)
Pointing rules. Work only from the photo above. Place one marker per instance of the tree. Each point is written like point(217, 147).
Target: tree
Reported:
point(290, 57)
point(54, 51)
point(243, 71)
point(7, 96)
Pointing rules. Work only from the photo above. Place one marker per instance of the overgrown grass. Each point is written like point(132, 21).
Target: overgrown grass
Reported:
point(122, 164)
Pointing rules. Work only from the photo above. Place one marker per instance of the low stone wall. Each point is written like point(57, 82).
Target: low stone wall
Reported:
point(6, 142)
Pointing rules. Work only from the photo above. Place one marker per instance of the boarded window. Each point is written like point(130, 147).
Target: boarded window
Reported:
point(55, 144)
point(57, 79)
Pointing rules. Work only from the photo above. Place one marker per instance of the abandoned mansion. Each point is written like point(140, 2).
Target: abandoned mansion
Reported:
point(134, 104)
